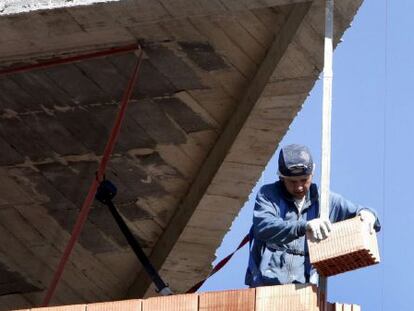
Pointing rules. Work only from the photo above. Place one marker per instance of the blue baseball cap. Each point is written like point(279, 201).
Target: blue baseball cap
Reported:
point(295, 160)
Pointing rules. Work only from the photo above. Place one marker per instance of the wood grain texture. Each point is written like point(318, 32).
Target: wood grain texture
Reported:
point(247, 4)
point(218, 153)
point(236, 56)
point(95, 270)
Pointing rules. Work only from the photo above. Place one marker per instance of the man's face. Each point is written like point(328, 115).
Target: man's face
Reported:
point(298, 186)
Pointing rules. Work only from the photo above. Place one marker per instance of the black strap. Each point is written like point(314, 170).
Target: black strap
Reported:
point(105, 193)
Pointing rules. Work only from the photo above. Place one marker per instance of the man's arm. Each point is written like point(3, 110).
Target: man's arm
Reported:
point(341, 209)
point(268, 226)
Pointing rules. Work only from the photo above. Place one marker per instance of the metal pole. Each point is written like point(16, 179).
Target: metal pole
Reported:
point(326, 110)
point(326, 129)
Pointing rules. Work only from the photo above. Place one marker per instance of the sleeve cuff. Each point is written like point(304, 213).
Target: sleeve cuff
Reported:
point(301, 229)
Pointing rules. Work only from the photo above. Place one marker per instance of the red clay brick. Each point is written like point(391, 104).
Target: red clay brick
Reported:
point(350, 246)
point(171, 303)
point(126, 305)
point(292, 297)
point(81, 307)
point(232, 300)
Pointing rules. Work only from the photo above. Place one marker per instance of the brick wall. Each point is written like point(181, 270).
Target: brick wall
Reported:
point(280, 298)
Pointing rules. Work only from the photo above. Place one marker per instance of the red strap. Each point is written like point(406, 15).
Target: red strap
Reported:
point(218, 267)
point(83, 214)
point(69, 59)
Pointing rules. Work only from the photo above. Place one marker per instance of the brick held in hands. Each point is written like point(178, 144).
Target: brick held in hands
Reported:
point(349, 246)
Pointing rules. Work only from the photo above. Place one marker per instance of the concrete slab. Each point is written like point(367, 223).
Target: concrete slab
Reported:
point(22, 6)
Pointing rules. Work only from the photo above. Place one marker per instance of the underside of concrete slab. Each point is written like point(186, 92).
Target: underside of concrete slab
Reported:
point(220, 83)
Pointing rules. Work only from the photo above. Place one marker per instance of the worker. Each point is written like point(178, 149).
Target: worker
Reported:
point(284, 211)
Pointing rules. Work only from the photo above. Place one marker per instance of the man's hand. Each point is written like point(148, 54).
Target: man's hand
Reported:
point(320, 228)
point(369, 218)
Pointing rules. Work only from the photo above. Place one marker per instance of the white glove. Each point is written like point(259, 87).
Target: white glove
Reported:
point(369, 218)
point(320, 228)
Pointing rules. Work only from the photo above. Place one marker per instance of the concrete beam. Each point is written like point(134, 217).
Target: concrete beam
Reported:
point(23, 6)
point(248, 4)
point(223, 144)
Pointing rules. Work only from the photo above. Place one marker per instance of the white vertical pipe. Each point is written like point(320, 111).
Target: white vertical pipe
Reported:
point(326, 128)
point(326, 110)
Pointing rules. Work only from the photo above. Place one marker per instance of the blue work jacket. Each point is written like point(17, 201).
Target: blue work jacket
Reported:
point(278, 247)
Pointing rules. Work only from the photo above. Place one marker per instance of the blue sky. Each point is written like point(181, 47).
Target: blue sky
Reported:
point(372, 122)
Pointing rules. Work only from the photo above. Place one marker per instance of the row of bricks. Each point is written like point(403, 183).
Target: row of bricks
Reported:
point(281, 298)
point(343, 307)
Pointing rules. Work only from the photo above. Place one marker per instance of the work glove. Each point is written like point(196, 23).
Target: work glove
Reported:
point(319, 228)
point(369, 218)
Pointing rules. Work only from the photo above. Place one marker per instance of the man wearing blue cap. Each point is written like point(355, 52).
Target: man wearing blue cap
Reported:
point(284, 211)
